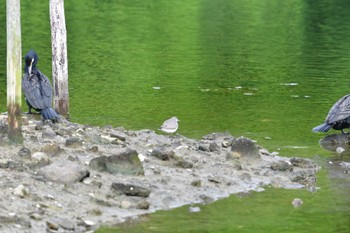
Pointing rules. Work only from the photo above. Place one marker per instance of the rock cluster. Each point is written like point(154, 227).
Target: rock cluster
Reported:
point(68, 177)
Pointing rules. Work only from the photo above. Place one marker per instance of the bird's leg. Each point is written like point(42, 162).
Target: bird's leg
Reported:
point(29, 111)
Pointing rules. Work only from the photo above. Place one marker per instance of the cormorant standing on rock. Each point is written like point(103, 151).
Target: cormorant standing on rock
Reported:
point(338, 117)
point(37, 88)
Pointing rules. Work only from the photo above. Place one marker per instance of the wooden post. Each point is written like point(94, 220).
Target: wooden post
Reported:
point(14, 70)
point(59, 57)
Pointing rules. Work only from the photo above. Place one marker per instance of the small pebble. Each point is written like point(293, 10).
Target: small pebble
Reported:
point(125, 204)
point(141, 157)
point(340, 150)
point(89, 223)
point(297, 202)
point(21, 191)
point(52, 226)
point(194, 209)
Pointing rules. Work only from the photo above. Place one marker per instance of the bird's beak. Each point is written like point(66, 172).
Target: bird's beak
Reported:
point(30, 67)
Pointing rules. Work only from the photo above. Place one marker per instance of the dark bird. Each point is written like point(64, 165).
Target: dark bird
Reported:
point(37, 88)
point(338, 117)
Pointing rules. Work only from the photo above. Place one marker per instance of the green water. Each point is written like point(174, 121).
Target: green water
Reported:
point(265, 69)
point(269, 211)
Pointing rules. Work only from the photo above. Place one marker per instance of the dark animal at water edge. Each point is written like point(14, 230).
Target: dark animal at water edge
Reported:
point(37, 88)
point(338, 117)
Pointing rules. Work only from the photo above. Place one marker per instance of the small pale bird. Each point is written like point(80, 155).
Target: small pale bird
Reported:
point(170, 125)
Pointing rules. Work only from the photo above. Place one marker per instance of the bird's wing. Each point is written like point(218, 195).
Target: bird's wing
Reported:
point(46, 90)
point(169, 124)
point(165, 124)
point(37, 90)
point(340, 110)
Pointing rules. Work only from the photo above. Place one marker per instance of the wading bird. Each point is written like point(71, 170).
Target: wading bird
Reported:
point(170, 125)
point(37, 88)
point(338, 117)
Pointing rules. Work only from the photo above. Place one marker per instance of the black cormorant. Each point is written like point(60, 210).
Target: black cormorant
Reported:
point(338, 117)
point(37, 88)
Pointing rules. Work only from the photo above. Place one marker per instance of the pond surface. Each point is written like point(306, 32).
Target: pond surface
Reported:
point(266, 69)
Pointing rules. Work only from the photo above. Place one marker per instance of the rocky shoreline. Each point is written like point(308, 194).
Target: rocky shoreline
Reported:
point(68, 177)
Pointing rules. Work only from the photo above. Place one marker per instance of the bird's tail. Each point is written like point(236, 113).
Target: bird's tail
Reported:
point(49, 114)
point(322, 128)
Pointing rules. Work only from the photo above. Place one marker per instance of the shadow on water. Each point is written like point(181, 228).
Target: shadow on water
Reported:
point(269, 211)
point(339, 143)
point(338, 165)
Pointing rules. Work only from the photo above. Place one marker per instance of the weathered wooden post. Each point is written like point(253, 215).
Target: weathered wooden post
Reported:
point(14, 70)
point(59, 57)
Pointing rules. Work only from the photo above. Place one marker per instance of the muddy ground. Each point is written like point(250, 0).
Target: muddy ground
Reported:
point(68, 177)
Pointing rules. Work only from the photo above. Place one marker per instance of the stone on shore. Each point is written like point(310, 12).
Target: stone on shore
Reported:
point(48, 133)
point(162, 154)
point(64, 173)
point(282, 166)
point(245, 148)
point(125, 163)
point(51, 149)
point(74, 142)
point(131, 190)
point(213, 147)
point(21, 191)
point(98, 164)
point(38, 159)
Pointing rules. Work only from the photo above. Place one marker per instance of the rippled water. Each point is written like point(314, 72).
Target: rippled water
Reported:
point(265, 69)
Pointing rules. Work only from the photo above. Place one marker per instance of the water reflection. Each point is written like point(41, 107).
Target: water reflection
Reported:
point(339, 143)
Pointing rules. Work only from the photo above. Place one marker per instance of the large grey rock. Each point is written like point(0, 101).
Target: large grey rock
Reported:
point(125, 163)
point(183, 164)
point(282, 166)
point(48, 133)
point(65, 173)
point(38, 159)
point(74, 142)
point(51, 149)
point(213, 147)
point(245, 148)
point(131, 190)
point(118, 136)
point(66, 224)
point(98, 163)
point(40, 156)
point(202, 147)
point(162, 154)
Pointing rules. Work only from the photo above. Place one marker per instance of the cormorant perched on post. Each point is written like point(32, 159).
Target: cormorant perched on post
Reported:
point(37, 88)
point(338, 117)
